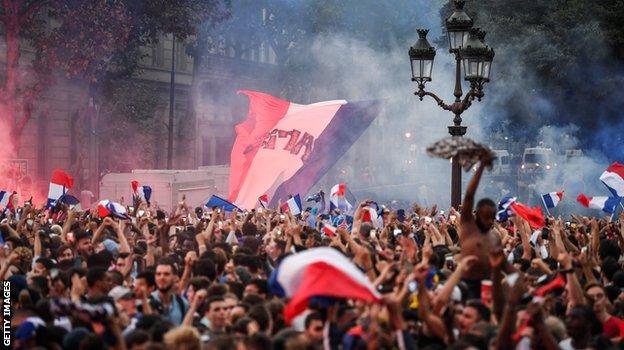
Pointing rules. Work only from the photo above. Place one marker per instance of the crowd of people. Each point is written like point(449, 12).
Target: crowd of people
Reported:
point(198, 278)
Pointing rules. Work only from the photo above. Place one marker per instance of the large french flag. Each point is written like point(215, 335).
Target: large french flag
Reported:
point(284, 147)
point(60, 183)
point(613, 178)
point(319, 272)
point(606, 204)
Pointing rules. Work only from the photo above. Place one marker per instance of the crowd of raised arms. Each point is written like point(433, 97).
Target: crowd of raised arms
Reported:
point(198, 278)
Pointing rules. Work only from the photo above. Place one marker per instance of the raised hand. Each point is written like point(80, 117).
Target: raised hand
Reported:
point(565, 260)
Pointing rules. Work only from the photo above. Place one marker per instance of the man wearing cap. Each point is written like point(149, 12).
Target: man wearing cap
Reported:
point(126, 304)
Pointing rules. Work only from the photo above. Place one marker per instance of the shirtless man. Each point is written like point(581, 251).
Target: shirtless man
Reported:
point(475, 233)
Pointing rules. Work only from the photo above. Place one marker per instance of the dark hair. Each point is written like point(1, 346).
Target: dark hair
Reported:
point(61, 249)
point(47, 263)
point(485, 202)
point(261, 315)
point(40, 284)
point(219, 260)
point(262, 285)
point(199, 282)
point(609, 267)
point(609, 248)
point(169, 262)
point(217, 290)
point(81, 234)
point(313, 316)
point(210, 300)
point(483, 310)
point(237, 288)
point(148, 276)
point(205, 267)
point(94, 275)
point(117, 277)
point(101, 259)
point(240, 326)
point(258, 341)
point(253, 299)
point(136, 337)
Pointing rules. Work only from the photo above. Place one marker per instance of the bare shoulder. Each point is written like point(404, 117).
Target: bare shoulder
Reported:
point(494, 238)
point(468, 228)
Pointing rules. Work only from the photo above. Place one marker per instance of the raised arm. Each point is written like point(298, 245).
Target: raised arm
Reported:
point(574, 286)
point(468, 204)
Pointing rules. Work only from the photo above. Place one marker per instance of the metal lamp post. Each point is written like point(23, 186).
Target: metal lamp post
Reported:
point(468, 46)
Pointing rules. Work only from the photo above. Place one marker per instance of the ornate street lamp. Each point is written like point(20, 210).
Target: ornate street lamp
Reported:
point(468, 46)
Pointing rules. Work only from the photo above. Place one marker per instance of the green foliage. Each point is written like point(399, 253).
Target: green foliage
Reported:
point(129, 132)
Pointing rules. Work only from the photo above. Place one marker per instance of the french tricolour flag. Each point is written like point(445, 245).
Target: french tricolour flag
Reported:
point(106, 208)
point(319, 272)
point(264, 200)
point(606, 204)
point(4, 198)
point(337, 198)
point(328, 229)
point(60, 183)
point(613, 178)
point(293, 205)
point(141, 192)
point(284, 147)
point(504, 210)
point(552, 199)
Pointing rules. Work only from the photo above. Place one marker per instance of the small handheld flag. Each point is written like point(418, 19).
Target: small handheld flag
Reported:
point(293, 205)
point(216, 201)
point(613, 178)
point(60, 183)
point(534, 216)
point(337, 198)
point(328, 229)
point(141, 192)
point(552, 199)
point(264, 200)
point(504, 211)
point(108, 208)
point(606, 204)
point(4, 198)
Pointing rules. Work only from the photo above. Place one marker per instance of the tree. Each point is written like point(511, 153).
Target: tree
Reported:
point(129, 136)
point(74, 38)
point(556, 62)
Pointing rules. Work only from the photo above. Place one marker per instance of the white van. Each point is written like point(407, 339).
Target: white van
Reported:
point(502, 163)
point(537, 159)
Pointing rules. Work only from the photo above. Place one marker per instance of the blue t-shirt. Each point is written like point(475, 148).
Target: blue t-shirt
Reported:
point(176, 312)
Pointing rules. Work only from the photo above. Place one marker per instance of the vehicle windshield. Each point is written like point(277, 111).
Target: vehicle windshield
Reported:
point(536, 158)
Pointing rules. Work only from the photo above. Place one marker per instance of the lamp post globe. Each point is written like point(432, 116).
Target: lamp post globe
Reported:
point(458, 27)
point(421, 56)
point(477, 58)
